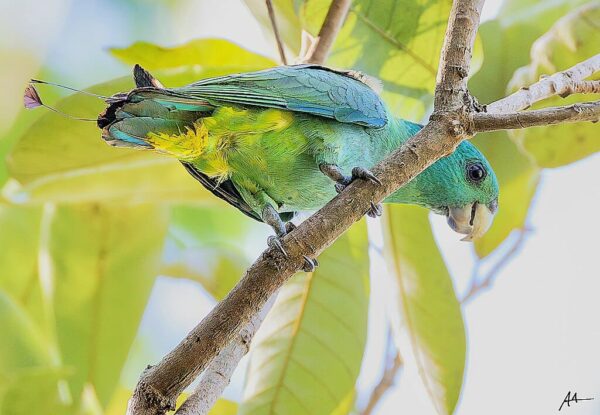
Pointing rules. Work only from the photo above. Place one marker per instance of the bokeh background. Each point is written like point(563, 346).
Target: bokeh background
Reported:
point(531, 337)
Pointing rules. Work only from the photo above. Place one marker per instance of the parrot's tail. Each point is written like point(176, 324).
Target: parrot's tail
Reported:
point(153, 117)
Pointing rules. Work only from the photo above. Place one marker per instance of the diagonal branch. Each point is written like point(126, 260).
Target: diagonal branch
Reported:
point(585, 111)
point(276, 33)
point(331, 26)
point(562, 83)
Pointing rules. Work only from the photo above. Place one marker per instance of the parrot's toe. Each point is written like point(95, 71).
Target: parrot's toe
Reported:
point(275, 242)
point(309, 264)
point(364, 174)
point(289, 226)
point(375, 211)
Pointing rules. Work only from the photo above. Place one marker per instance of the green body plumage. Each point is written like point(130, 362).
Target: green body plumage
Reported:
point(266, 134)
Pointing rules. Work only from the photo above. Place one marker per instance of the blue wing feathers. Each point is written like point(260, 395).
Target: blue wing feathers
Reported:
point(309, 89)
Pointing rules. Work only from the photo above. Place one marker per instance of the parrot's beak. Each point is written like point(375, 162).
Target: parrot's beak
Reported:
point(472, 220)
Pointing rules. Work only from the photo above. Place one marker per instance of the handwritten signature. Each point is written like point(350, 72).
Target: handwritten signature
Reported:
point(572, 398)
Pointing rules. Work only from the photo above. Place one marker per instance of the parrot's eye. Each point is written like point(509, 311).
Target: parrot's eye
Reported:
point(476, 172)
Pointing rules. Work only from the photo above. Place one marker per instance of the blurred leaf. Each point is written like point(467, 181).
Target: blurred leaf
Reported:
point(518, 177)
point(102, 262)
point(307, 355)
point(63, 160)
point(34, 391)
point(28, 382)
point(26, 347)
point(206, 245)
point(428, 308)
point(19, 251)
point(205, 52)
point(507, 39)
point(288, 22)
point(572, 39)
point(398, 41)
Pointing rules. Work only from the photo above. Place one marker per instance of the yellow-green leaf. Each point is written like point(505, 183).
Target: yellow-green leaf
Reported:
point(572, 39)
point(518, 177)
point(308, 353)
point(63, 160)
point(398, 41)
point(429, 312)
point(102, 262)
point(205, 52)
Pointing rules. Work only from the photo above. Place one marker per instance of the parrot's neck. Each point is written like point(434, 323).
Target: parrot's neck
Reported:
point(400, 131)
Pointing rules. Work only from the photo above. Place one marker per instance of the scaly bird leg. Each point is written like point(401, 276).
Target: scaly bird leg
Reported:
point(341, 181)
point(271, 217)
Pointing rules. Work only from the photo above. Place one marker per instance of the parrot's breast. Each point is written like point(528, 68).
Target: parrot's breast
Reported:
point(278, 152)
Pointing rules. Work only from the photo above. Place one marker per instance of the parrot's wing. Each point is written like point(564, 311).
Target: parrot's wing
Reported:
point(226, 190)
point(345, 96)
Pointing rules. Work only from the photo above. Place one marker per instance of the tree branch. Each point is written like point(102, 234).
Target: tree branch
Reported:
point(585, 111)
point(562, 83)
point(218, 374)
point(331, 26)
point(278, 40)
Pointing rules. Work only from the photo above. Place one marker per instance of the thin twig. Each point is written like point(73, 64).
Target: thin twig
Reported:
point(218, 374)
point(480, 284)
point(331, 26)
point(392, 366)
point(276, 31)
point(585, 111)
point(561, 83)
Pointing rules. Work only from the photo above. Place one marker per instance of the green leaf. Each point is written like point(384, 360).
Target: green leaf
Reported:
point(307, 356)
point(102, 262)
point(25, 347)
point(28, 381)
point(572, 39)
point(62, 160)
point(19, 252)
point(205, 52)
point(398, 41)
point(34, 391)
point(518, 177)
point(206, 245)
point(430, 313)
point(507, 39)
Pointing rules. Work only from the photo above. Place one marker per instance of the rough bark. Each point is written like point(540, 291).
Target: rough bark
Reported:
point(585, 111)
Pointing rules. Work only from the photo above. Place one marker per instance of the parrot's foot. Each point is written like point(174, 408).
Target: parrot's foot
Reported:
point(375, 211)
point(341, 182)
point(309, 264)
point(272, 218)
point(275, 242)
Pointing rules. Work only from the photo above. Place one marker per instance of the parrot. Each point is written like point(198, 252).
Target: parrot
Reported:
point(287, 139)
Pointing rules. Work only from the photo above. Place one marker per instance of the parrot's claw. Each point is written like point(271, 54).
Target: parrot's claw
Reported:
point(309, 264)
point(362, 173)
point(375, 211)
point(275, 242)
point(289, 226)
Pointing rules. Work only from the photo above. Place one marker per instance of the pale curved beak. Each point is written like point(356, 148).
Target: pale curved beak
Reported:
point(472, 220)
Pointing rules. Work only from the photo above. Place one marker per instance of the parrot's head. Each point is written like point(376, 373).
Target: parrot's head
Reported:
point(463, 187)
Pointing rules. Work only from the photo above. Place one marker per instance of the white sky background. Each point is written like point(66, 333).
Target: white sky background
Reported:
point(532, 338)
